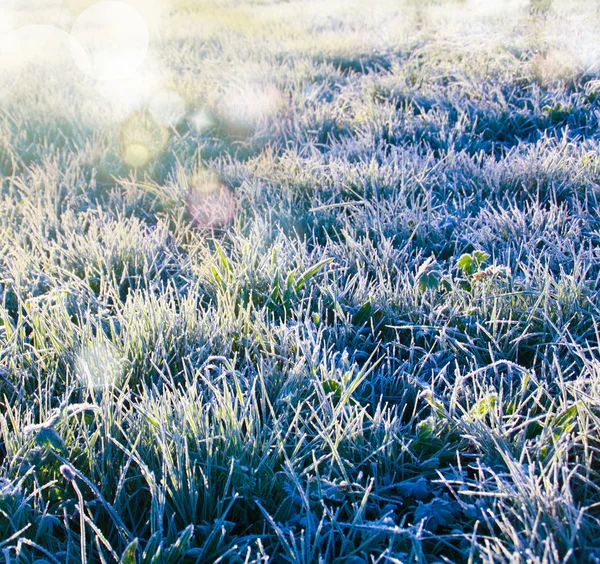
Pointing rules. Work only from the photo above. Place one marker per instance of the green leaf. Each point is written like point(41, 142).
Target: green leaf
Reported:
point(470, 263)
point(363, 314)
point(275, 296)
point(57, 494)
point(484, 406)
point(566, 421)
point(446, 284)
point(223, 258)
point(333, 492)
point(465, 263)
point(218, 277)
point(437, 513)
point(332, 387)
point(310, 272)
point(429, 275)
point(128, 556)
point(50, 439)
point(289, 283)
point(153, 549)
point(177, 551)
point(419, 489)
point(480, 257)
point(429, 281)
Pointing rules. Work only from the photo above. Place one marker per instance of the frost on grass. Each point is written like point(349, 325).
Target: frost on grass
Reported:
point(300, 281)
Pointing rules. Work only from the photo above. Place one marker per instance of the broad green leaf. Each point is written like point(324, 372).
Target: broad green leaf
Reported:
point(465, 263)
point(218, 277)
point(417, 489)
point(484, 406)
point(446, 284)
point(470, 263)
point(429, 281)
point(289, 283)
point(565, 422)
point(176, 552)
point(310, 272)
point(128, 556)
point(363, 314)
point(153, 549)
point(438, 512)
point(50, 439)
point(429, 275)
point(421, 489)
point(333, 492)
point(331, 386)
point(276, 290)
point(480, 257)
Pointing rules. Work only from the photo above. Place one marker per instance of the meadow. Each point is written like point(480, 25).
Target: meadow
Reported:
point(300, 281)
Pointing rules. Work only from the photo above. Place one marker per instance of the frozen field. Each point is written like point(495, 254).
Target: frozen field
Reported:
point(300, 281)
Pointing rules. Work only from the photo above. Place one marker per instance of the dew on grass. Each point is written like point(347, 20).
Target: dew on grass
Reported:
point(98, 365)
point(115, 40)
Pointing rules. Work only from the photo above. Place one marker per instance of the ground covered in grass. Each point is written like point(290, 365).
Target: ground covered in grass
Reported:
point(319, 283)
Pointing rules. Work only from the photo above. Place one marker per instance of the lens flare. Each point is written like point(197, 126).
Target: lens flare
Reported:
point(249, 105)
point(142, 139)
point(555, 65)
point(136, 155)
point(210, 203)
point(154, 12)
point(31, 51)
point(98, 366)
point(16, 13)
point(115, 40)
point(202, 120)
point(7, 17)
point(125, 96)
point(167, 107)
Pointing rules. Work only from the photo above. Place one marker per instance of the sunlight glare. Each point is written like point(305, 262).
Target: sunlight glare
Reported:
point(42, 47)
point(15, 13)
point(7, 16)
point(202, 120)
point(167, 107)
point(115, 40)
point(127, 95)
point(136, 155)
point(142, 139)
point(154, 12)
